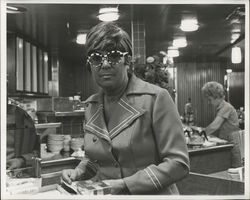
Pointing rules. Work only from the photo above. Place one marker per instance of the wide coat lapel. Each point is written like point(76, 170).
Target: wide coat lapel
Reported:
point(94, 118)
point(124, 113)
point(123, 116)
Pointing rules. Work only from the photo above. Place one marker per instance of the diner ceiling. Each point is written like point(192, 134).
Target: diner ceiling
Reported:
point(54, 26)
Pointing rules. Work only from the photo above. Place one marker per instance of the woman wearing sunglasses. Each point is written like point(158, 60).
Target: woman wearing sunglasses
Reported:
point(134, 139)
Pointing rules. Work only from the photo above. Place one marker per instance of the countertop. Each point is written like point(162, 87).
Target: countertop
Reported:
point(212, 148)
point(230, 176)
point(62, 114)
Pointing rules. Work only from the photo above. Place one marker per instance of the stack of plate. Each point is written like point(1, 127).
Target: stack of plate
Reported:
point(76, 143)
point(55, 143)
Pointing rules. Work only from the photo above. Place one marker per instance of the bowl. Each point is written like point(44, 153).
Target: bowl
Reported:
point(55, 148)
point(55, 137)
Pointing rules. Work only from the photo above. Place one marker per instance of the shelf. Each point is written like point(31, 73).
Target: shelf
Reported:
point(48, 125)
point(71, 113)
point(62, 114)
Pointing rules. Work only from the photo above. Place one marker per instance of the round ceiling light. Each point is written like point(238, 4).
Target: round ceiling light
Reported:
point(189, 22)
point(173, 52)
point(189, 25)
point(180, 42)
point(81, 38)
point(108, 14)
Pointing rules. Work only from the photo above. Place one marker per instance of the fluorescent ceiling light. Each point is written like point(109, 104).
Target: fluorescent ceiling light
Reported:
point(81, 38)
point(15, 10)
point(108, 14)
point(236, 55)
point(180, 42)
point(229, 71)
point(12, 8)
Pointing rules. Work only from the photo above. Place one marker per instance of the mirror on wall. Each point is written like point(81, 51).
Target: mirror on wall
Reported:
point(27, 67)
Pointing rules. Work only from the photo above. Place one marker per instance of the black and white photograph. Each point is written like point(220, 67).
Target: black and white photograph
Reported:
point(124, 99)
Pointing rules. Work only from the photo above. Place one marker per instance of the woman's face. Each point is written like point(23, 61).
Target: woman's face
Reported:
point(110, 76)
point(213, 101)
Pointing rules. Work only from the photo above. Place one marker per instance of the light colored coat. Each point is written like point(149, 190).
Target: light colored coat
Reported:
point(143, 143)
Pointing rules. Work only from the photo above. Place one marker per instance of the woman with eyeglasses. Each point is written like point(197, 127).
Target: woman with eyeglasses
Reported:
point(134, 138)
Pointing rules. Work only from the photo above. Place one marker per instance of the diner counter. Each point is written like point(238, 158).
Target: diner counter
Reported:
point(238, 177)
point(207, 160)
point(213, 184)
point(193, 151)
point(51, 169)
point(209, 173)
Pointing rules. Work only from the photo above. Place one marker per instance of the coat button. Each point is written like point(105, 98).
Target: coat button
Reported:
point(94, 139)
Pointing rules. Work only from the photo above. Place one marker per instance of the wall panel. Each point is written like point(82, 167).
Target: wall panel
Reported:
point(19, 64)
point(190, 79)
point(236, 85)
point(27, 67)
point(34, 68)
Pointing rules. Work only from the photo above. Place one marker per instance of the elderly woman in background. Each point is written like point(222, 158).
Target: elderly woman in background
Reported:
point(226, 123)
point(133, 134)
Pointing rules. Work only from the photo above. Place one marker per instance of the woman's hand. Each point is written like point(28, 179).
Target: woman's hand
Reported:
point(118, 186)
point(15, 163)
point(70, 175)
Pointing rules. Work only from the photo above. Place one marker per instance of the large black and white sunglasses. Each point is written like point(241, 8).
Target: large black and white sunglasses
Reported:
point(113, 57)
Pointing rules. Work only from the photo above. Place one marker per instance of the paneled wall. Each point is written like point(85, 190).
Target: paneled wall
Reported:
point(236, 88)
point(190, 79)
point(89, 86)
point(75, 77)
point(67, 78)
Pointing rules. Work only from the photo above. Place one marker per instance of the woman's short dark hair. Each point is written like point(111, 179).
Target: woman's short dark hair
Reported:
point(108, 36)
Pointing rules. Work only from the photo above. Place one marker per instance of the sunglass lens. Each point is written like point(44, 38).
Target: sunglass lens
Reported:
point(114, 57)
point(95, 59)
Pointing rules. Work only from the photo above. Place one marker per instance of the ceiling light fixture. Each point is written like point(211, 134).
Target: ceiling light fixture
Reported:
point(180, 41)
point(15, 9)
point(81, 38)
point(12, 8)
point(236, 55)
point(108, 14)
point(173, 52)
point(189, 22)
point(45, 57)
point(234, 37)
point(20, 44)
